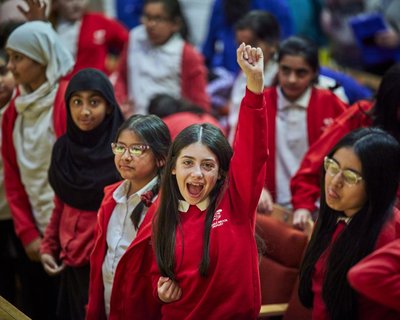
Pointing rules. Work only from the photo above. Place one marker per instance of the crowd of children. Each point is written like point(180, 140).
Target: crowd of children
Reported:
point(125, 195)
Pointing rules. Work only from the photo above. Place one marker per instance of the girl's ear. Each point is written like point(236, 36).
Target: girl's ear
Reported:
point(173, 171)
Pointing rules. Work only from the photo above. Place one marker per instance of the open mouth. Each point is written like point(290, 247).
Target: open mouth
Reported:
point(194, 189)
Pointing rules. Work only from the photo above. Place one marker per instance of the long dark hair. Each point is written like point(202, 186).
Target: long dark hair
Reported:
point(379, 154)
point(235, 9)
point(154, 132)
point(386, 111)
point(167, 217)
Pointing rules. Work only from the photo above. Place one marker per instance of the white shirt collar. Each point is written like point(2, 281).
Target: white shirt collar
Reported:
point(120, 194)
point(302, 102)
point(184, 206)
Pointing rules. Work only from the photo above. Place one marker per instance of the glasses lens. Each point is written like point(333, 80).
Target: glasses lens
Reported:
point(331, 167)
point(117, 148)
point(350, 177)
point(136, 151)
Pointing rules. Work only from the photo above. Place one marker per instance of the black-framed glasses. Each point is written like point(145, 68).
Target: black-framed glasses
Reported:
point(332, 168)
point(135, 150)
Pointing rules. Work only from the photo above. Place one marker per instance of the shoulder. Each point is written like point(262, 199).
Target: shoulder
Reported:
point(191, 53)
point(109, 190)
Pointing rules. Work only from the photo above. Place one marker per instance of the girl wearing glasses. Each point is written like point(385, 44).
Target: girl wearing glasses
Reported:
point(82, 164)
point(158, 59)
point(356, 216)
point(120, 285)
point(384, 113)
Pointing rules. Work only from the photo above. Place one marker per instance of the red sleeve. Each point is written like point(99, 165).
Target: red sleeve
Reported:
point(247, 167)
point(194, 78)
point(378, 275)
point(117, 35)
point(60, 110)
point(51, 239)
point(17, 198)
point(305, 184)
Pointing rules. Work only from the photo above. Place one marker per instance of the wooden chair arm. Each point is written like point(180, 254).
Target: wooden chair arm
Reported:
point(9, 312)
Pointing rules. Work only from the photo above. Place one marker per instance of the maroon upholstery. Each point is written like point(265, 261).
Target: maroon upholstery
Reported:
point(279, 265)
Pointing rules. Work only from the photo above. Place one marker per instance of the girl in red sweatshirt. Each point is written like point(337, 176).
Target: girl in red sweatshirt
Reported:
point(356, 217)
point(204, 241)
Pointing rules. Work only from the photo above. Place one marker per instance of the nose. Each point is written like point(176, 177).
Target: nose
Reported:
point(292, 77)
point(197, 171)
point(126, 155)
point(85, 110)
point(337, 180)
point(10, 65)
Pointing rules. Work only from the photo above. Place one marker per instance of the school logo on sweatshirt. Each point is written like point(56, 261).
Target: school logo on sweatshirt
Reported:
point(99, 36)
point(218, 220)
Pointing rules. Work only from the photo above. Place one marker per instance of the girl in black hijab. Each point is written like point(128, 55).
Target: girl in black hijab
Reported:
point(82, 165)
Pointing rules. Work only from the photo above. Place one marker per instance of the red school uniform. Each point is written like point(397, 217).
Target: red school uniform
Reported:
point(131, 296)
point(367, 309)
point(323, 107)
point(305, 184)
point(377, 276)
point(69, 234)
point(17, 197)
point(231, 290)
point(98, 35)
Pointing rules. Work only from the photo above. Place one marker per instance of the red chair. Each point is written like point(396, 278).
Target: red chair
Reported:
point(279, 265)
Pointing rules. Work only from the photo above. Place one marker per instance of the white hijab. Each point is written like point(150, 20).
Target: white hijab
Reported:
point(38, 41)
point(33, 132)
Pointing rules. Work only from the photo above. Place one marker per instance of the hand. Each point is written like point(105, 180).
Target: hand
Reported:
point(36, 10)
point(168, 290)
point(251, 61)
point(265, 204)
point(387, 39)
point(50, 265)
point(32, 250)
point(301, 218)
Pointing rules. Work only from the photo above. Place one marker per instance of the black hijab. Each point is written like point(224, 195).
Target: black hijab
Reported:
point(82, 162)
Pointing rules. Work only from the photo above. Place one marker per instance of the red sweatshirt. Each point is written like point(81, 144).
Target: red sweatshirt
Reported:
point(377, 276)
point(17, 198)
point(232, 288)
point(69, 234)
point(98, 36)
point(305, 184)
point(367, 309)
point(323, 107)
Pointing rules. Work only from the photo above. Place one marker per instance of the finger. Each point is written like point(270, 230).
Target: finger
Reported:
point(22, 10)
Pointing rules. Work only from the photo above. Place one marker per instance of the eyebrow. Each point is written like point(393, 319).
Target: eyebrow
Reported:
point(355, 171)
point(193, 158)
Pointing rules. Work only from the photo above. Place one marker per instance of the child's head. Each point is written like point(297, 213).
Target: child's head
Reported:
point(386, 112)
point(141, 148)
point(89, 99)
point(357, 168)
point(361, 182)
point(162, 19)
point(259, 28)
point(36, 55)
point(70, 10)
point(298, 66)
point(7, 82)
point(198, 163)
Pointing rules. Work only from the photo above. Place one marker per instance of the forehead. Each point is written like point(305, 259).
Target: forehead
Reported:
point(86, 93)
point(129, 137)
point(348, 159)
point(198, 151)
point(155, 9)
point(297, 62)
